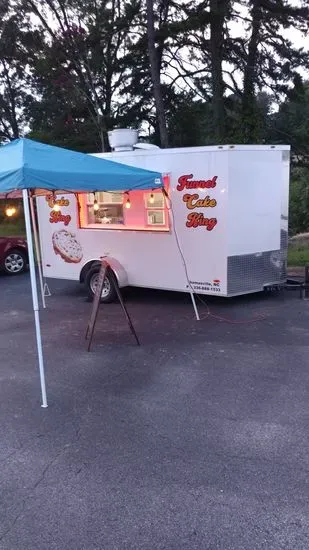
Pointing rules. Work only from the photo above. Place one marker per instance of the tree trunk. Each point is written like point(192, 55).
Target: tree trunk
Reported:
point(12, 114)
point(155, 75)
point(217, 17)
point(249, 120)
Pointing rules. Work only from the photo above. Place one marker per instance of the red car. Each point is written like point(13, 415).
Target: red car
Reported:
point(13, 255)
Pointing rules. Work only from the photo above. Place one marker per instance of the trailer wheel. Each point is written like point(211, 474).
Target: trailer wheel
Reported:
point(91, 280)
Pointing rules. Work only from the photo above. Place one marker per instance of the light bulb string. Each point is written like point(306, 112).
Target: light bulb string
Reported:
point(56, 206)
point(126, 193)
point(10, 211)
point(128, 202)
point(134, 188)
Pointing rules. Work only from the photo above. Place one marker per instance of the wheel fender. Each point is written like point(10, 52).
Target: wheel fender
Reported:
point(119, 270)
point(117, 267)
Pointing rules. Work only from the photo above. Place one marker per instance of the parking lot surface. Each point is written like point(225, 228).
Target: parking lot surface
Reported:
point(196, 440)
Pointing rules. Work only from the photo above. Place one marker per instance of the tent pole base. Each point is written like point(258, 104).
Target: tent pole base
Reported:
point(197, 315)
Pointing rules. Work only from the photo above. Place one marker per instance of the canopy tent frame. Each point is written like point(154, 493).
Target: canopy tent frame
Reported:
point(37, 249)
point(27, 166)
point(35, 300)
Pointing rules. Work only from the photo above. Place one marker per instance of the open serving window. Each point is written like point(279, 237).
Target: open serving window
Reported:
point(137, 210)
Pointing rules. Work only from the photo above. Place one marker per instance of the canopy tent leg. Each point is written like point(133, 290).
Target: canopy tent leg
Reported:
point(38, 251)
point(171, 211)
point(197, 315)
point(35, 301)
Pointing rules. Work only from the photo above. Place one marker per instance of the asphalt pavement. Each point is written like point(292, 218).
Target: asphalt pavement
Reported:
point(197, 439)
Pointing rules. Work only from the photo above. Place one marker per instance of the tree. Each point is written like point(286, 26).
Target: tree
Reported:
point(199, 33)
point(250, 74)
point(85, 49)
point(18, 46)
point(299, 201)
point(218, 13)
point(71, 70)
point(154, 61)
point(267, 59)
point(291, 123)
point(188, 121)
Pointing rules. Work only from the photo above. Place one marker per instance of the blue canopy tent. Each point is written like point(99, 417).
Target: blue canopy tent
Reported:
point(28, 165)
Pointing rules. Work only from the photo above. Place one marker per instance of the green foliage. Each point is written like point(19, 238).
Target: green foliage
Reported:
point(298, 256)
point(12, 229)
point(291, 123)
point(299, 201)
point(20, 43)
point(188, 122)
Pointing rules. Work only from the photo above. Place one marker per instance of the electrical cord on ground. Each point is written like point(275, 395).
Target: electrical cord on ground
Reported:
point(203, 302)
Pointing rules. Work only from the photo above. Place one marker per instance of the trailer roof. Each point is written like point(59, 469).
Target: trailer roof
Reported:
point(200, 149)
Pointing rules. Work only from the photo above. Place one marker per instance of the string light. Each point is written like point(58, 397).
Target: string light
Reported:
point(10, 211)
point(95, 203)
point(128, 202)
point(151, 200)
point(56, 206)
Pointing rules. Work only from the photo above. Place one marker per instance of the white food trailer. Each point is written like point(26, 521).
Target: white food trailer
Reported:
point(221, 228)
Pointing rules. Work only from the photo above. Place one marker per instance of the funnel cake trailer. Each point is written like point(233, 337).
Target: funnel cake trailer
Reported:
point(221, 229)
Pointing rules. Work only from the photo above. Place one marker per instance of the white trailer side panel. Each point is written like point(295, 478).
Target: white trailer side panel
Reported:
point(157, 259)
point(236, 245)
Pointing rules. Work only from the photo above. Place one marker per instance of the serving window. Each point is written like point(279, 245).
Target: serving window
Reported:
point(138, 210)
point(155, 209)
point(104, 208)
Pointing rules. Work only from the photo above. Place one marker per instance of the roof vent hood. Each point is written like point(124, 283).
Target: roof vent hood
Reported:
point(126, 139)
point(123, 139)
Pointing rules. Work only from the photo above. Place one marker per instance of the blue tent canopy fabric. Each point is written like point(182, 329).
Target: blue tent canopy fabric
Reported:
point(27, 164)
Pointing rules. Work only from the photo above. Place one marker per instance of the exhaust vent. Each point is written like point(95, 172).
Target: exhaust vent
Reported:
point(122, 139)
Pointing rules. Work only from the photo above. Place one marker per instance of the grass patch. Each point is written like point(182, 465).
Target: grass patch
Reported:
point(298, 256)
point(298, 253)
point(12, 229)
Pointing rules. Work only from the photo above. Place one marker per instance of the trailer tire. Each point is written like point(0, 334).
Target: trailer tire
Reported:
point(108, 293)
